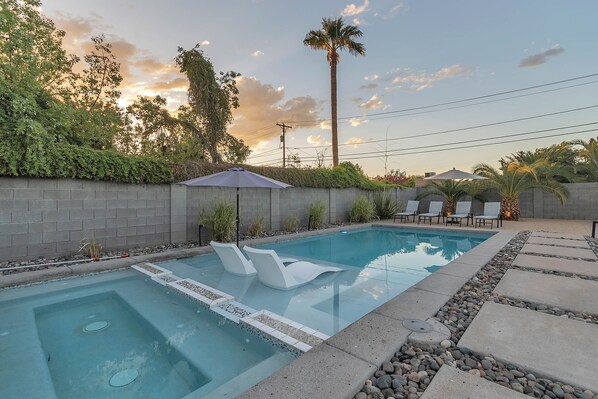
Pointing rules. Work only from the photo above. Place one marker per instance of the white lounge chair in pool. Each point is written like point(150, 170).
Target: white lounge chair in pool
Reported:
point(435, 211)
point(272, 272)
point(410, 210)
point(235, 262)
point(491, 213)
point(462, 211)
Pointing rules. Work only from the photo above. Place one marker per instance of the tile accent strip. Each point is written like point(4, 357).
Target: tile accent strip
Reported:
point(151, 270)
point(293, 334)
point(233, 310)
point(200, 292)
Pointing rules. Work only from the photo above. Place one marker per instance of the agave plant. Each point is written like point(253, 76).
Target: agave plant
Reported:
point(511, 180)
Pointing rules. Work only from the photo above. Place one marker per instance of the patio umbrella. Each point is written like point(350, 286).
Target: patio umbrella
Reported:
point(236, 177)
point(455, 174)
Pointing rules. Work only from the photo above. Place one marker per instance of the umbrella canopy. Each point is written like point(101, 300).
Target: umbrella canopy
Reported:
point(237, 178)
point(455, 174)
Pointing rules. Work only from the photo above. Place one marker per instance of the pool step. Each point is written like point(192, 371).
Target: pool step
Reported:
point(292, 334)
point(202, 293)
point(151, 270)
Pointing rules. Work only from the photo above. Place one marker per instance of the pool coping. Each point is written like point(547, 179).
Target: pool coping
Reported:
point(355, 353)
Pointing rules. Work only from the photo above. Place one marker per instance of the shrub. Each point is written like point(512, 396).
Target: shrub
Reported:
point(362, 210)
point(90, 248)
point(292, 224)
point(256, 229)
point(317, 210)
point(384, 206)
point(221, 222)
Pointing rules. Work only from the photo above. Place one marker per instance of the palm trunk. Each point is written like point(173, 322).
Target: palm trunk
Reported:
point(509, 209)
point(333, 104)
point(449, 207)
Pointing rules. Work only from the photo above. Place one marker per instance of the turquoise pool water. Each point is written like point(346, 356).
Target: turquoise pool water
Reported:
point(379, 264)
point(69, 339)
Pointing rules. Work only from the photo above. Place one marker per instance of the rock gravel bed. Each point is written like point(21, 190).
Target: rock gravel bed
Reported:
point(411, 370)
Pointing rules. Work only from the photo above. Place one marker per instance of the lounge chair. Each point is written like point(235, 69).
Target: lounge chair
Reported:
point(410, 210)
point(235, 262)
point(272, 272)
point(491, 213)
point(462, 211)
point(435, 211)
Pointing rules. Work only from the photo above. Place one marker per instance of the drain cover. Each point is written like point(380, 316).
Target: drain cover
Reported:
point(96, 326)
point(124, 377)
point(417, 325)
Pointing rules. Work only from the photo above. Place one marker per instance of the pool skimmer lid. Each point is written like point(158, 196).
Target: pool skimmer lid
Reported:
point(96, 326)
point(123, 378)
point(417, 325)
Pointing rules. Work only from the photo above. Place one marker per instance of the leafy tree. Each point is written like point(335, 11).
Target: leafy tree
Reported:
point(334, 37)
point(558, 161)
point(513, 179)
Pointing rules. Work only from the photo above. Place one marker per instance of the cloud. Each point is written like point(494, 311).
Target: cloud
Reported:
point(262, 105)
point(400, 7)
point(205, 43)
point(352, 9)
point(423, 80)
point(373, 103)
point(314, 140)
point(358, 21)
point(354, 141)
point(371, 77)
point(369, 86)
point(257, 53)
point(357, 121)
point(178, 84)
point(325, 125)
point(540, 58)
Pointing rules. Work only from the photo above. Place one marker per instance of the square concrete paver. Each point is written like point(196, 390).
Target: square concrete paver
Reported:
point(450, 383)
point(563, 292)
point(556, 347)
point(583, 267)
point(557, 235)
point(559, 242)
point(559, 251)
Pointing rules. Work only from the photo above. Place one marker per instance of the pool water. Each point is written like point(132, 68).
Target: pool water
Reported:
point(121, 335)
point(379, 263)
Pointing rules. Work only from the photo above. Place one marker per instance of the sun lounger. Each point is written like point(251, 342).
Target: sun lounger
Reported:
point(435, 211)
point(410, 210)
point(491, 213)
point(235, 262)
point(462, 211)
point(272, 272)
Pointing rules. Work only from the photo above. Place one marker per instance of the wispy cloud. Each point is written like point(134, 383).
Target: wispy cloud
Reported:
point(355, 141)
point(400, 7)
point(205, 43)
point(353, 9)
point(540, 58)
point(373, 103)
point(423, 80)
point(371, 77)
point(358, 21)
point(257, 53)
point(369, 86)
point(357, 121)
point(314, 140)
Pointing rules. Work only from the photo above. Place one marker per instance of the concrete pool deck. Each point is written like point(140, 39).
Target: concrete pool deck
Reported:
point(338, 367)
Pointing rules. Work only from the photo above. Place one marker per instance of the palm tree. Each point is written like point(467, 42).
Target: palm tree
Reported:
point(333, 37)
point(512, 179)
point(453, 191)
point(588, 167)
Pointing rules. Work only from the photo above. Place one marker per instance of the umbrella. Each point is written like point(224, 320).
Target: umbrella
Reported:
point(236, 177)
point(455, 174)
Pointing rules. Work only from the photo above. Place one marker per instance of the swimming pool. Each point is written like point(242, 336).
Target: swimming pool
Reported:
point(121, 335)
point(379, 263)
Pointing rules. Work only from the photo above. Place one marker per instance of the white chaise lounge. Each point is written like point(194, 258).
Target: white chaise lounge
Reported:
point(491, 213)
point(435, 211)
point(462, 211)
point(235, 262)
point(272, 272)
point(410, 210)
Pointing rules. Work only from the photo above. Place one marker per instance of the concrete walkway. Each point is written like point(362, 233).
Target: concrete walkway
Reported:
point(581, 267)
point(559, 251)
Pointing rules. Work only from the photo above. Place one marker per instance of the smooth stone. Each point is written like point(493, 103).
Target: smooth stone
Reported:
point(384, 382)
point(445, 344)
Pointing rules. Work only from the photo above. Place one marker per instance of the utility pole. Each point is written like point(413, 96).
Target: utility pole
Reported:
point(283, 141)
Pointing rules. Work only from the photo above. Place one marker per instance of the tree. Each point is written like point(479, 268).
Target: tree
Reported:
point(587, 165)
point(334, 37)
point(558, 161)
point(511, 180)
point(211, 98)
point(452, 191)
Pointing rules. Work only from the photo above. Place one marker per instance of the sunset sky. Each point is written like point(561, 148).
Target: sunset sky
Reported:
point(419, 53)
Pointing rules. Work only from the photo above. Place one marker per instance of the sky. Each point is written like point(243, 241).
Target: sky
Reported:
point(419, 54)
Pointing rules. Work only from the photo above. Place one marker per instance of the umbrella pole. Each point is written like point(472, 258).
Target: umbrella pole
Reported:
point(237, 216)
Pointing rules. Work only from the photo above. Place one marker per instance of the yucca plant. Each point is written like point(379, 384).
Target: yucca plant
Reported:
point(317, 211)
point(362, 210)
point(221, 221)
point(384, 206)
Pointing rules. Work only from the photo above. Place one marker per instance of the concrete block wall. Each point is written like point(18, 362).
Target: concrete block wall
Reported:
point(49, 217)
point(581, 204)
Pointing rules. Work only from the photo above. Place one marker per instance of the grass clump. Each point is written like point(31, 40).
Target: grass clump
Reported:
point(256, 229)
point(384, 206)
point(362, 211)
point(90, 248)
point(292, 224)
point(317, 211)
point(221, 221)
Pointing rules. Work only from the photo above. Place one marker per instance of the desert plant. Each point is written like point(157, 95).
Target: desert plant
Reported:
point(292, 223)
point(362, 210)
point(317, 210)
point(256, 229)
point(384, 206)
point(221, 221)
point(90, 248)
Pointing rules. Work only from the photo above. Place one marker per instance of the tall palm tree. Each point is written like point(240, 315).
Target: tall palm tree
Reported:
point(334, 37)
point(588, 167)
point(511, 180)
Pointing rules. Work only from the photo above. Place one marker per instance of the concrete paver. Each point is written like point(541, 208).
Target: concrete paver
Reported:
point(556, 347)
point(563, 292)
point(450, 383)
point(559, 241)
point(559, 251)
point(582, 267)
point(557, 235)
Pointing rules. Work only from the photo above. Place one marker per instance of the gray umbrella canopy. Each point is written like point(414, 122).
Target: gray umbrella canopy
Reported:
point(455, 174)
point(237, 178)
